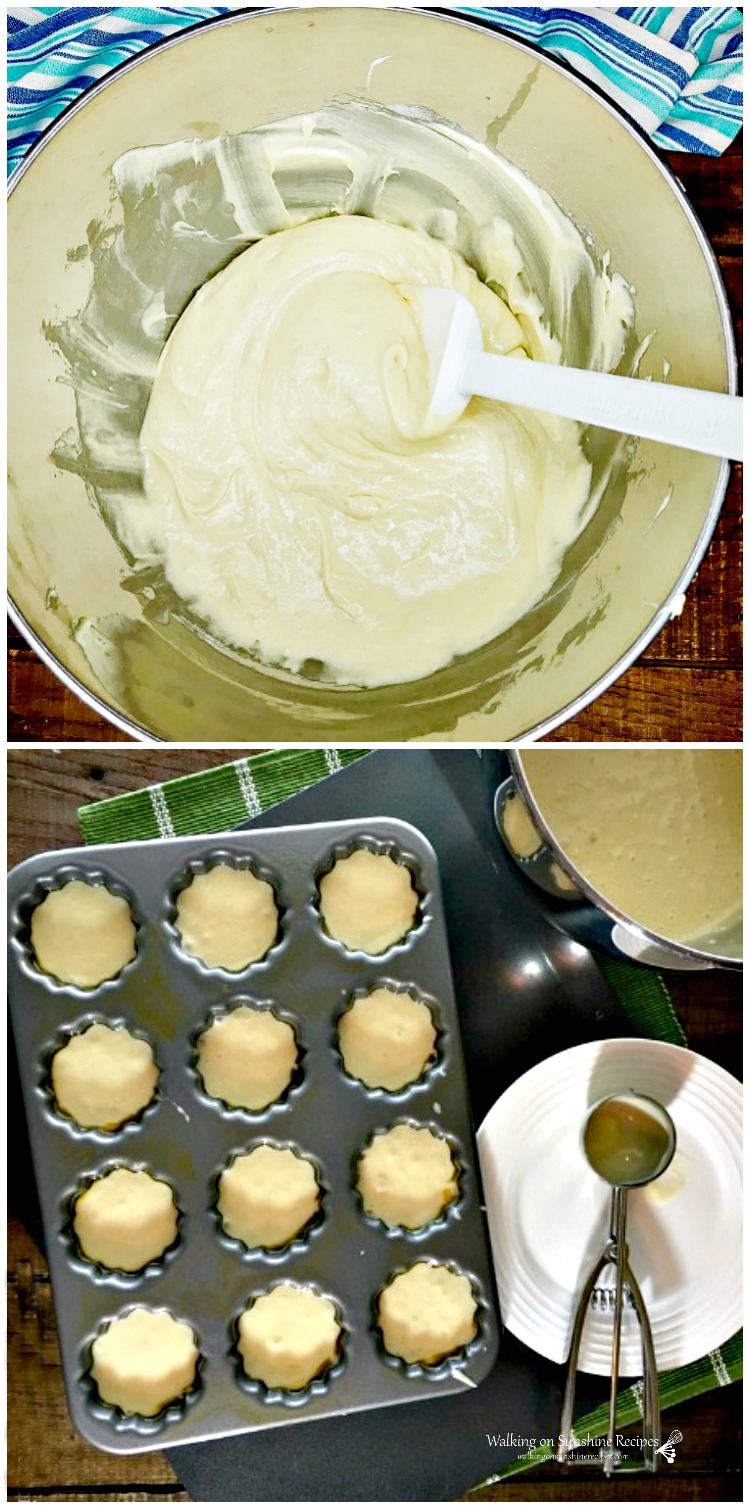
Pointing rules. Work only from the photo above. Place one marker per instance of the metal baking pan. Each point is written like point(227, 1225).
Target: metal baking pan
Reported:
point(525, 990)
point(186, 1137)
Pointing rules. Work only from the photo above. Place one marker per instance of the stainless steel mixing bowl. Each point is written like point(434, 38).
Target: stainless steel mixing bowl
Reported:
point(583, 911)
point(622, 579)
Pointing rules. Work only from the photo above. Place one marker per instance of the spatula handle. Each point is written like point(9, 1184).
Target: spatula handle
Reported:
point(686, 417)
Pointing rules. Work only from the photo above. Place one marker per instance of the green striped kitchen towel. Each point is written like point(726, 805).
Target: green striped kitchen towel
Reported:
point(225, 796)
point(211, 801)
point(676, 71)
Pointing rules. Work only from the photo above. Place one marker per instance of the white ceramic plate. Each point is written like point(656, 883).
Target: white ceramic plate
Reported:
point(548, 1212)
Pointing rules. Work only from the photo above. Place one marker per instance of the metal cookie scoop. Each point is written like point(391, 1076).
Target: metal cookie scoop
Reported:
point(628, 1140)
point(460, 367)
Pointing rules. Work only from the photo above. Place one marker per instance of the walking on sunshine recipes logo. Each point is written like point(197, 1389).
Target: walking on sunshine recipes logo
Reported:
point(586, 1448)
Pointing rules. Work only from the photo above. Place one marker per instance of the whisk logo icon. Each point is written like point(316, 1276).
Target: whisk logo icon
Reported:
point(668, 1449)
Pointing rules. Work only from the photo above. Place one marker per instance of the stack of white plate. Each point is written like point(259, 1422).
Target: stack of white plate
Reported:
point(548, 1212)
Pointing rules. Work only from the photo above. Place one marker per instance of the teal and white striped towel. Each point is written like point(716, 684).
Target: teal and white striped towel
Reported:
point(676, 71)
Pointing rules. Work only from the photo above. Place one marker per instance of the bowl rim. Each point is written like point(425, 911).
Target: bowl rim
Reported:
point(682, 949)
point(674, 604)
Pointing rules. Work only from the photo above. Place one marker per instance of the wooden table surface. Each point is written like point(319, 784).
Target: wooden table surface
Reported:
point(686, 685)
point(47, 1459)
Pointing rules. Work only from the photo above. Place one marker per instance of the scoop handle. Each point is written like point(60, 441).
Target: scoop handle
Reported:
point(686, 417)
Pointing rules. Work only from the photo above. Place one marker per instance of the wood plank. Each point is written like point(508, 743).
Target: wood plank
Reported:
point(40, 708)
point(47, 786)
point(731, 266)
point(709, 1006)
point(708, 632)
point(665, 703)
point(714, 188)
point(44, 1449)
point(721, 1488)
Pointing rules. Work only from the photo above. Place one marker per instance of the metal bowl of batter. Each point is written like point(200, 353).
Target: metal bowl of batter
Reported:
point(85, 590)
point(637, 851)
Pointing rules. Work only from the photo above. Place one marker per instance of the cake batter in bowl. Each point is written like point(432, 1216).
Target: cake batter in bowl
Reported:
point(385, 583)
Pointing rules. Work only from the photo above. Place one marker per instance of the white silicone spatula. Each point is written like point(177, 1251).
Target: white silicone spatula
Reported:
point(460, 368)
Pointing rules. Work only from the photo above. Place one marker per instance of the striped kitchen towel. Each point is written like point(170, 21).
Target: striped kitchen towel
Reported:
point(222, 798)
point(676, 71)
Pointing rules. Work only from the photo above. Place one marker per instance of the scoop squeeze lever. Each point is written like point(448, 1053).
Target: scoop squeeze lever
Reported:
point(628, 1140)
point(460, 369)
